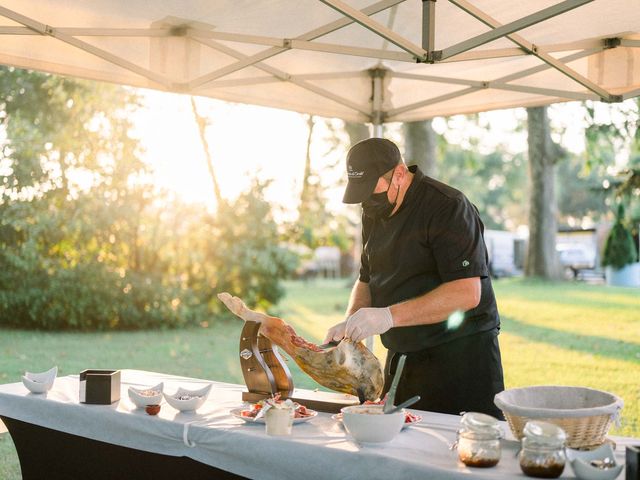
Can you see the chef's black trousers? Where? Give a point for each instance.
(462, 375)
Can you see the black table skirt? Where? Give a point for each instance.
(52, 455)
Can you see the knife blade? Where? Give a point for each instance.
(331, 344)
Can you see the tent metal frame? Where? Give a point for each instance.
(521, 42)
(503, 30)
(312, 35)
(283, 76)
(408, 52)
(44, 29)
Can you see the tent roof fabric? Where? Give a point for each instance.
(359, 60)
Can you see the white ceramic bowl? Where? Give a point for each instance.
(581, 463)
(40, 382)
(367, 423)
(141, 401)
(197, 398)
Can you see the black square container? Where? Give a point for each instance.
(632, 466)
(99, 387)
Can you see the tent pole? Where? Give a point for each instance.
(377, 115)
(428, 26)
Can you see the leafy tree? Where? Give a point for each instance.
(580, 191)
(246, 252)
(626, 191)
(497, 185)
(313, 217)
(614, 130)
(610, 135)
(619, 249)
(86, 242)
(316, 226)
(72, 196)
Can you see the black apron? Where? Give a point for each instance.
(463, 375)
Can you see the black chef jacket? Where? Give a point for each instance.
(436, 236)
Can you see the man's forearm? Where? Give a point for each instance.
(360, 297)
(438, 304)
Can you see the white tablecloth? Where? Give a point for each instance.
(317, 449)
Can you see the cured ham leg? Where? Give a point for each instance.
(345, 368)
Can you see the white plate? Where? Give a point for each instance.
(236, 413)
(338, 418)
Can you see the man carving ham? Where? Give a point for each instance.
(424, 284)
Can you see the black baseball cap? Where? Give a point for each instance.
(367, 161)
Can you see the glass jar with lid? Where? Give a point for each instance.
(542, 453)
(478, 441)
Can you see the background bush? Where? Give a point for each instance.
(87, 242)
(619, 249)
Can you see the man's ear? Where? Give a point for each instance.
(398, 174)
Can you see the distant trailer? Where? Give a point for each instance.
(506, 252)
(578, 252)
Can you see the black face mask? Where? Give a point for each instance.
(378, 204)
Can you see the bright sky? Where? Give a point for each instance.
(247, 141)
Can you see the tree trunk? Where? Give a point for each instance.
(306, 190)
(202, 127)
(356, 131)
(542, 260)
(420, 142)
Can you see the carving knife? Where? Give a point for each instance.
(388, 405)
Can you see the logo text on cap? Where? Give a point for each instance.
(351, 173)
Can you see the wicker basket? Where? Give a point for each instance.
(584, 414)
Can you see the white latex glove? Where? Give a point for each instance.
(336, 332)
(368, 321)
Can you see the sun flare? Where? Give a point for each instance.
(245, 142)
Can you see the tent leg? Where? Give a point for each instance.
(377, 116)
(428, 26)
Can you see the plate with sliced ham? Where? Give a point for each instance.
(249, 413)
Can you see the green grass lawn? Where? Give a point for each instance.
(565, 333)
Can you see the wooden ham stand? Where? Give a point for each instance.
(265, 374)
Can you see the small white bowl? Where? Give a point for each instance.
(581, 463)
(197, 398)
(40, 382)
(367, 423)
(141, 401)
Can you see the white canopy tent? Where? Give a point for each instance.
(392, 60)
(359, 60)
